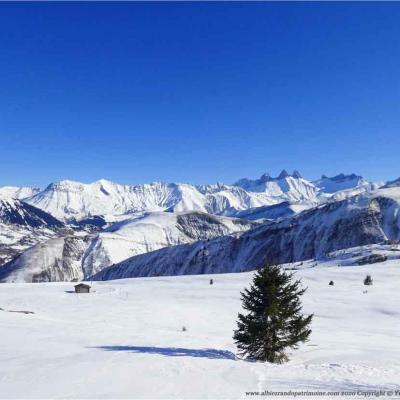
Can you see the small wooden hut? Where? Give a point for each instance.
(82, 288)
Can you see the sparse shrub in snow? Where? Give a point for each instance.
(274, 322)
(368, 280)
(184, 329)
(211, 281)
(331, 283)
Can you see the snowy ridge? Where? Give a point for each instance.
(340, 182)
(18, 192)
(69, 200)
(74, 200)
(292, 187)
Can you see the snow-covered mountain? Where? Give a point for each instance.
(341, 186)
(132, 221)
(74, 200)
(339, 182)
(290, 187)
(80, 256)
(69, 200)
(359, 220)
(22, 226)
(18, 192)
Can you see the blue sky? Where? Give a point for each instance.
(199, 92)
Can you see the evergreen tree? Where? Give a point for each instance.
(274, 322)
(368, 280)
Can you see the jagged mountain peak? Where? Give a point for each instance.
(296, 174)
(266, 177)
(284, 174)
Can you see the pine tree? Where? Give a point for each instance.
(368, 280)
(274, 322)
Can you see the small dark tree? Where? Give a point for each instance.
(331, 283)
(368, 280)
(274, 322)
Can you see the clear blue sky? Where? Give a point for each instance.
(200, 92)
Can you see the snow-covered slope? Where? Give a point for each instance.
(276, 211)
(22, 226)
(154, 231)
(80, 256)
(125, 339)
(55, 260)
(360, 220)
(18, 192)
(13, 211)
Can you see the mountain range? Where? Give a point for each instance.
(69, 200)
(71, 230)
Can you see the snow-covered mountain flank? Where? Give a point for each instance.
(22, 226)
(312, 234)
(80, 256)
(176, 228)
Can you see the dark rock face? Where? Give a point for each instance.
(95, 223)
(202, 226)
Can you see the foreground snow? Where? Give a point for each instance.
(125, 339)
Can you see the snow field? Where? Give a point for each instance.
(125, 339)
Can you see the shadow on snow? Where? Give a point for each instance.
(172, 351)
